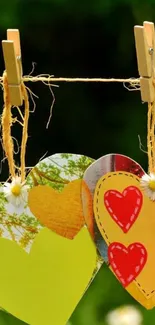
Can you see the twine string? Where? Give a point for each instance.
(151, 123)
(151, 137)
(48, 79)
(25, 131)
(7, 120)
(7, 140)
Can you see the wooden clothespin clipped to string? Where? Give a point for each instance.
(145, 49)
(12, 58)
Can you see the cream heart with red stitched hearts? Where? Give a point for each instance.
(125, 217)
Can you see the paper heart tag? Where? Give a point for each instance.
(47, 249)
(141, 231)
(106, 217)
(105, 164)
(31, 288)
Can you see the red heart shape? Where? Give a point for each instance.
(124, 208)
(127, 263)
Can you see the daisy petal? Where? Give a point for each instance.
(16, 193)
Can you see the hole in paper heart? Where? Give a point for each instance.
(124, 208)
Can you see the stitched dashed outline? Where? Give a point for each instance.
(97, 215)
(138, 267)
(134, 216)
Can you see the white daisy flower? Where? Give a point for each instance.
(125, 315)
(148, 184)
(16, 194)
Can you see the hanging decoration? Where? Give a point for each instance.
(67, 215)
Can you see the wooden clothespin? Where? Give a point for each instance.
(13, 65)
(145, 49)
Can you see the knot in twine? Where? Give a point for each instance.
(7, 122)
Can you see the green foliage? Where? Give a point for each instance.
(77, 168)
(57, 173)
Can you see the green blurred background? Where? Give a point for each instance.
(82, 38)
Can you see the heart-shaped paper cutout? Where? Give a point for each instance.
(118, 163)
(124, 207)
(56, 174)
(60, 212)
(102, 166)
(54, 263)
(127, 262)
(142, 231)
(38, 285)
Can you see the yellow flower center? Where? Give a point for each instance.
(16, 189)
(122, 311)
(152, 184)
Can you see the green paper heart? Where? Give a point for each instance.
(44, 286)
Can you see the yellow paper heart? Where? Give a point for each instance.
(143, 231)
(44, 286)
(59, 211)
